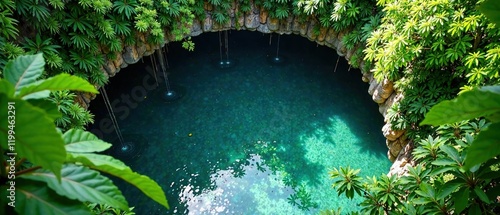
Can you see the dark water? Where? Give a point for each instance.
(257, 138)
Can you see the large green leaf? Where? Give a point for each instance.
(447, 189)
(484, 147)
(83, 141)
(426, 190)
(452, 153)
(33, 197)
(461, 198)
(6, 88)
(418, 201)
(96, 160)
(475, 209)
(24, 70)
(468, 105)
(149, 187)
(491, 8)
(36, 137)
(443, 162)
(480, 193)
(58, 82)
(83, 184)
(116, 168)
(38, 95)
(494, 117)
(443, 169)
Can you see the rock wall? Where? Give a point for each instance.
(258, 19)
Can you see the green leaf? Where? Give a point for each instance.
(96, 160)
(380, 210)
(494, 117)
(24, 70)
(59, 82)
(480, 193)
(420, 201)
(427, 190)
(443, 162)
(36, 137)
(49, 107)
(468, 105)
(490, 9)
(83, 184)
(484, 147)
(451, 152)
(461, 198)
(6, 88)
(440, 170)
(149, 187)
(77, 140)
(116, 168)
(38, 95)
(447, 189)
(475, 209)
(34, 197)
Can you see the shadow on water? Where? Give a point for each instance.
(234, 130)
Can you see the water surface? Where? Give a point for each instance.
(257, 138)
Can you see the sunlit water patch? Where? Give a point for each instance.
(257, 138)
(258, 191)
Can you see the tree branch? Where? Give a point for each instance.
(24, 171)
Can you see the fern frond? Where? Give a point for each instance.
(220, 18)
(53, 60)
(215, 2)
(57, 4)
(126, 8)
(43, 46)
(281, 12)
(120, 26)
(98, 77)
(84, 60)
(8, 25)
(23, 7)
(76, 22)
(99, 6)
(79, 40)
(40, 12)
(174, 10)
(106, 28)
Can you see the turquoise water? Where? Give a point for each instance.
(257, 138)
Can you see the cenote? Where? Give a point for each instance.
(255, 138)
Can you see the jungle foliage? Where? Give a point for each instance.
(433, 49)
(46, 171)
(78, 36)
(457, 171)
